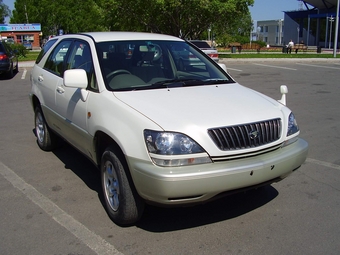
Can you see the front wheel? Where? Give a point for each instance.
(122, 203)
(46, 139)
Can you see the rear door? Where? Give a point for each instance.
(47, 79)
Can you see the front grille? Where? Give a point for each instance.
(246, 136)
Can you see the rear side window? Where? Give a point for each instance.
(55, 61)
(201, 44)
(2, 49)
(46, 47)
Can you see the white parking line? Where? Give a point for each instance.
(237, 70)
(279, 67)
(329, 67)
(322, 163)
(91, 239)
(23, 74)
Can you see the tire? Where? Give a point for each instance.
(122, 203)
(17, 67)
(10, 73)
(46, 139)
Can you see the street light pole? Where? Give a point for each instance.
(331, 19)
(209, 30)
(336, 30)
(258, 33)
(298, 34)
(280, 32)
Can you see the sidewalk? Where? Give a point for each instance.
(26, 63)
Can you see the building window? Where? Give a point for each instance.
(25, 38)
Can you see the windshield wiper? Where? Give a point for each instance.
(215, 81)
(177, 83)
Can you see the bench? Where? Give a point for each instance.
(235, 45)
(299, 46)
(251, 46)
(246, 46)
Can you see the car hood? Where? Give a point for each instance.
(202, 107)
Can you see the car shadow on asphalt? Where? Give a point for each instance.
(79, 164)
(160, 219)
(4, 77)
(156, 219)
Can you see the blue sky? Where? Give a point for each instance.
(262, 9)
(9, 3)
(272, 9)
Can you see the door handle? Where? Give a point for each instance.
(40, 78)
(60, 90)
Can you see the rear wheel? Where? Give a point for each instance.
(122, 203)
(10, 73)
(16, 67)
(46, 139)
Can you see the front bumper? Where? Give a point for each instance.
(198, 183)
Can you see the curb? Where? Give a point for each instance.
(229, 60)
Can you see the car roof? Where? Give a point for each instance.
(123, 36)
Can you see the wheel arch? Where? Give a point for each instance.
(35, 102)
(101, 142)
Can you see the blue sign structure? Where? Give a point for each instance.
(19, 27)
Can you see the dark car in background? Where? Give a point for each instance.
(206, 48)
(8, 60)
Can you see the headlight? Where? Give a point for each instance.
(174, 149)
(292, 125)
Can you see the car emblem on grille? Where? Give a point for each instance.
(253, 134)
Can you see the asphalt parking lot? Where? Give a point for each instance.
(50, 202)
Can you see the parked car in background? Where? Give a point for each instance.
(159, 134)
(9, 40)
(206, 48)
(8, 60)
(28, 45)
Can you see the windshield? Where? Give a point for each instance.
(140, 65)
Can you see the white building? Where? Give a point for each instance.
(270, 31)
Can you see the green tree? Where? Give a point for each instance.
(185, 18)
(73, 16)
(188, 19)
(4, 12)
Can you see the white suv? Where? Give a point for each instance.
(158, 132)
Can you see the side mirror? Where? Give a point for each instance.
(284, 91)
(75, 78)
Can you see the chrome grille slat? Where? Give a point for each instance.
(246, 136)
